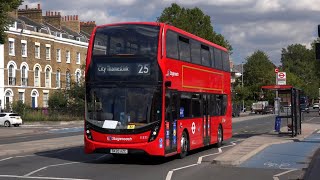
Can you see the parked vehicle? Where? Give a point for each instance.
(316, 106)
(8, 119)
(268, 110)
(258, 107)
(304, 108)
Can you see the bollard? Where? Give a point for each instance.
(277, 124)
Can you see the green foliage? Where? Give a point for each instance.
(302, 68)
(6, 6)
(258, 71)
(193, 21)
(19, 107)
(241, 93)
(57, 100)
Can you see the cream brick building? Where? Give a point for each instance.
(42, 53)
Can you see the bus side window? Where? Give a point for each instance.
(212, 57)
(224, 104)
(184, 49)
(195, 52)
(225, 61)
(218, 59)
(205, 56)
(172, 45)
(196, 105)
(185, 105)
(218, 102)
(214, 105)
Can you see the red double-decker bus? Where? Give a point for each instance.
(155, 89)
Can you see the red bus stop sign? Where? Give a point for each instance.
(276, 70)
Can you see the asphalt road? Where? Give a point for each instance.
(31, 133)
(72, 163)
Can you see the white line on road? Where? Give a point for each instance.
(169, 175)
(54, 165)
(200, 158)
(48, 178)
(276, 177)
(5, 159)
(24, 156)
(310, 119)
(62, 164)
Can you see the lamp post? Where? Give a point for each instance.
(242, 85)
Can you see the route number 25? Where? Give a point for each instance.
(143, 69)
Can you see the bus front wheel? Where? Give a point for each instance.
(184, 145)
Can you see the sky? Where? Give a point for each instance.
(249, 25)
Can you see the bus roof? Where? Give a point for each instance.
(168, 26)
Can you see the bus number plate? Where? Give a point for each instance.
(119, 151)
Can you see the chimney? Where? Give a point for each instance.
(53, 18)
(72, 22)
(87, 26)
(34, 14)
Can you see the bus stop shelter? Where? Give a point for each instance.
(287, 104)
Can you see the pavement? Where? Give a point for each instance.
(253, 145)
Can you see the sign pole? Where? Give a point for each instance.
(276, 102)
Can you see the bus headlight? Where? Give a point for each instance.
(88, 132)
(154, 132)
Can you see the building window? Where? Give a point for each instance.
(68, 80)
(48, 78)
(58, 79)
(24, 48)
(24, 76)
(58, 55)
(37, 50)
(78, 76)
(48, 51)
(21, 97)
(45, 99)
(11, 47)
(37, 77)
(78, 58)
(12, 75)
(68, 56)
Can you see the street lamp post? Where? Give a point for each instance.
(242, 86)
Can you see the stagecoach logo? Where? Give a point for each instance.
(113, 69)
(110, 138)
(172, 74)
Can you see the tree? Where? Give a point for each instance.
(258, 71)
(300, 63)
(193, 21)
(6, 7)
(57, 100)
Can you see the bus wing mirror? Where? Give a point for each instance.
(167, 83)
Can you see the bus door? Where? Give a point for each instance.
(171, 105)
(206, 119)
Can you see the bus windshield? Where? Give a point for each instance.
(126, 39)
(125, 106)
